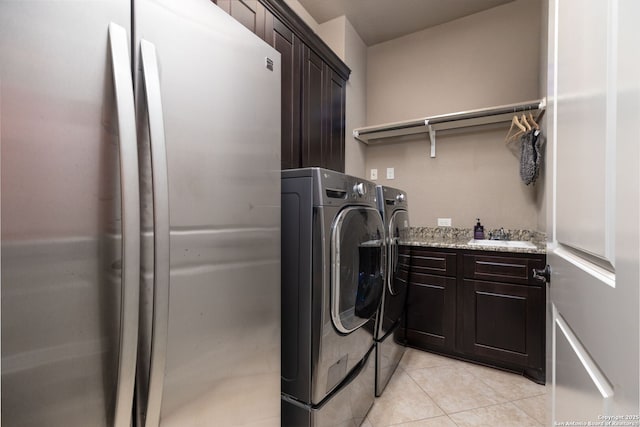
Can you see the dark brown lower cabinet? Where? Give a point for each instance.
(479, 306)
(504, 322)
(431, 311)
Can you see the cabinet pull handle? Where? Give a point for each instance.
(543, 275)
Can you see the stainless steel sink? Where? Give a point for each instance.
(503, 243)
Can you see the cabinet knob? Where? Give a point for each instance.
(544, 274)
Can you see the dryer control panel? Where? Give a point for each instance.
(338, 189)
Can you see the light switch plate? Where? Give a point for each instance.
(374, 174)
(390, 173)
(444, 222)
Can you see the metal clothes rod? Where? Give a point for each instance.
(503, 113)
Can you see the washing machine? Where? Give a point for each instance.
(393, 206)
(333, 269)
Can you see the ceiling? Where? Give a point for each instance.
(381, 20)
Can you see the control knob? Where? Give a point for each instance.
(401, 198)
(359, 189)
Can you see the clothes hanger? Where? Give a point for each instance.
(524, 121)
(515, 122)
(533, 122)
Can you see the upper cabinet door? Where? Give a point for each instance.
(594, 252)
(313, 111)
(290, 48)
(333, 141)
(250, 13)
(323, 114)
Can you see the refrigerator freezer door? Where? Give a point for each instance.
(221, 107)
(61, 213)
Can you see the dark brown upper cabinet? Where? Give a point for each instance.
(333, 143)
(250, 13)
(313, 108)
(290, 48)
(313, 83)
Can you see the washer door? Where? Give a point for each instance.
(357, 264)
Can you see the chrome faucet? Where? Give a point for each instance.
(499, 235)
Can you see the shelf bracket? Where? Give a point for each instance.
(432, 137)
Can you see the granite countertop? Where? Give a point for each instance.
(458, 238)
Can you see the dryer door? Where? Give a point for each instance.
(357, 264)
(398, 232)
(397, 275)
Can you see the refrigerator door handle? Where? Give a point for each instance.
(161, 268)
(130, 202)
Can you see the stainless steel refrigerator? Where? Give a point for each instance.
(140, 211)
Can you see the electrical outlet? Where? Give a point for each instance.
(374, 174)
(444, 222)
(390, 173)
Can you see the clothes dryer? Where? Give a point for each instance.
(333, 267)
(393, 206)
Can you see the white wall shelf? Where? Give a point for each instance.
(429, 125)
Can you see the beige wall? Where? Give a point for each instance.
(299, 9)
(486, 59)
(333, 34)
(356, 108)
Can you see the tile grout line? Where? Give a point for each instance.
(495, 404)
(470, 372)
(429, 396)
(518, 400)
(500, 394)
(464, 410)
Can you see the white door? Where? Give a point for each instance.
(593, 162)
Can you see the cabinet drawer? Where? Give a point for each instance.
(433, 262)
(501, 269)
(404, 257)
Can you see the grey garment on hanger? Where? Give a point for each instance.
(527, 158)
(530, 156)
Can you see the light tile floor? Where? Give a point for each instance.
(428, 390)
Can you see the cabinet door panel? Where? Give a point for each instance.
(249, 13)
(333, 143)
(284, 41)
(503, 322)
(312, 108)
(431, 311)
